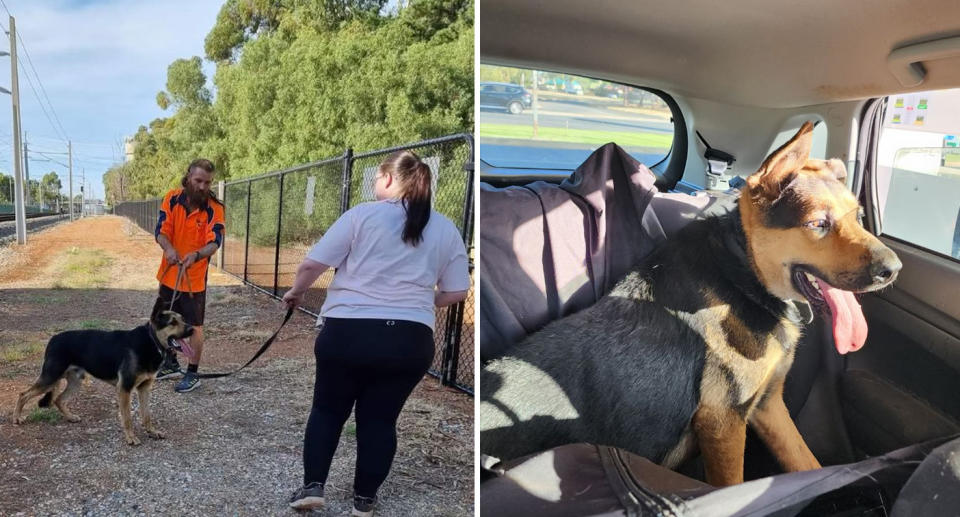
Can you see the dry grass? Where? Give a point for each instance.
(18, 352)
(83, 268)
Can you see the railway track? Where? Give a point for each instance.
(11, 217)
(8, 228)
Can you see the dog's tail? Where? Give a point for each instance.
(45, 401)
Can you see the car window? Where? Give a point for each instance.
(918, 170)
(559, 119)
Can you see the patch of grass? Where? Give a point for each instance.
(350, 429)
(14, 353)
(224, 298)
(44, 414)
(584, 136)
(44, 298)
(83, 269)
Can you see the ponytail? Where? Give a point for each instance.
(414, 177)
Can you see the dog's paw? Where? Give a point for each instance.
(19, 420)
(132, 440)
(72, 418)
(156, 434)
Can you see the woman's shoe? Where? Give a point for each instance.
(308, 497)
(363, 506)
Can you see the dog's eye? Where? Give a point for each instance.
(819, 225)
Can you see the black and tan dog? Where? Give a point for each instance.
(127, 359)
(694, 345)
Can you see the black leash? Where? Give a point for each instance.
(263, 348)
(181, 273)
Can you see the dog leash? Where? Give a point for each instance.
(181, 273)
(263, 348)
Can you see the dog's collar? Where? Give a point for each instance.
(735, 241)
(154, 338)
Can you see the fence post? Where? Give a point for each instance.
(276, 255)
(454, 331)
(468, 198)
(221, 194)
(246, 245)
(347, 172)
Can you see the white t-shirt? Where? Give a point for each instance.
(380, 276)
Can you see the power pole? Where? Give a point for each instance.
(83, 180)
(535, 102)
(70, 167)
(20, 210)
(26, 172)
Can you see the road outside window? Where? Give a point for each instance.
(535, 120)
(918, 170)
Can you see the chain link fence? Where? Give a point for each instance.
(273, 220)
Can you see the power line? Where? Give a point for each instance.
(49, 158)
(40, 82)
(61, 132)
(39, 101)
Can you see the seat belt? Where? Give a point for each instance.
(718, 162)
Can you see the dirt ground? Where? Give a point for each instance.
(234, 445)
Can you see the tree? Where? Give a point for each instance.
(6, 188)
(302, 80)
(51, 187)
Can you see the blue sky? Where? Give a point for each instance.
(101, 63)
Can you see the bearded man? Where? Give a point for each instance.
(189, 230)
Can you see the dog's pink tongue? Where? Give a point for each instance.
(185, 347)
(849, 325)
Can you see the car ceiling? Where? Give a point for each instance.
(770, 53)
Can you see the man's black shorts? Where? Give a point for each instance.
(189, 305)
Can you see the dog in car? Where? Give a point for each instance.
(693, 345)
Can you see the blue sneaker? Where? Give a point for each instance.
(188, 383)
(169, 369)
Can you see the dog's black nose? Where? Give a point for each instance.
(885, 266)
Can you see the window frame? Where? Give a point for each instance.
(668, 170)
(871, 125)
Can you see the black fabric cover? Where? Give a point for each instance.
(550, 250)
(587, 480)
(934, 488)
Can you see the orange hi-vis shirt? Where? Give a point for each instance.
(188, 232)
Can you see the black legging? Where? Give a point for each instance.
(375, 364)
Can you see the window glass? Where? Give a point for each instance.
(918, 170)
(533, 119)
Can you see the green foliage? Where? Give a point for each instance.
(43, 414)
(6, 188)
(11, 353)
(301, 80)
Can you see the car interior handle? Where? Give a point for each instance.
(906, 63)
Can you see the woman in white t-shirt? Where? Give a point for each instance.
(395, 260)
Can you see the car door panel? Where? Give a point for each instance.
(902, 387)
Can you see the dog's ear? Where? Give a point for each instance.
(832, 167)
(161, 318)
(157, 310)
(779, 169)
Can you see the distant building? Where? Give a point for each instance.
(93, 207)
(129, 146)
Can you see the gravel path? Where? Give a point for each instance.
(234, 445)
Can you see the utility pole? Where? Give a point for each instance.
(26, 173)
(535, 102)
(70, 167)
(83, 180)
(20, 210)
